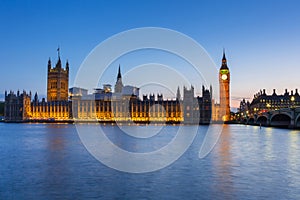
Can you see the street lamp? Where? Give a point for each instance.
(292, 100)
(268, 106)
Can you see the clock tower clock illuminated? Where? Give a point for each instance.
(224, 82)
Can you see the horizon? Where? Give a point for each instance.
(253, 34)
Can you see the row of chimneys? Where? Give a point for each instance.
(152, 97)
(263, 92)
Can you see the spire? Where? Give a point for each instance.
(178, 96)
(224, 61)
(58, 53)
(58, 64)
(119, 73)
(36, 98)
(67, 65)
(49, 64)
(119, 84)
(224, 57)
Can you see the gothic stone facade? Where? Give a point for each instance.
(104, 105)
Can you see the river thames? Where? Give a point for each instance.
(49, 161)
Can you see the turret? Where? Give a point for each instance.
(211, 91)
(145, 97)
(67, 66)
(152, 97)
(58, 64)
(159, 97)
(178, 95)
(49, 65)
(36, 98)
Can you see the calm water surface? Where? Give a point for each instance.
(48, 161)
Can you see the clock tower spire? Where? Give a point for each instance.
(224, 61)
(224, 82)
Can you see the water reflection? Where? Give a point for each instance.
(223, 164)
(48, 161)
(293, 161)
(57, 166)
(268, 143)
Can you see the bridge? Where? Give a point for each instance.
(285, 117)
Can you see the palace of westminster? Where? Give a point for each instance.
(64, 104)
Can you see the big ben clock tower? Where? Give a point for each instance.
(224, 81)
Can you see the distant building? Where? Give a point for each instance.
(76, 91)
(57, 81)
(21, 107)
(17, 106)
(123, 104)
(129, 90)
(2, 103)
(221, 109)
(51, 110)
(191, 113)
(205, 106)
(244, 105)
(263, 102)
(224, 83)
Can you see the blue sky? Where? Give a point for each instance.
(262, 38)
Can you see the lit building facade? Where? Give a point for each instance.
(262, 102)
(20, 107)
(104, 105)
(57, 81)
(224, 83)
(126, 106)
(17, 106)
(51, 110)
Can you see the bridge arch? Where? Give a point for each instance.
(263, 120)
(280, 120)
(297, 121)
(281, 113)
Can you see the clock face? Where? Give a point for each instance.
(224, 77)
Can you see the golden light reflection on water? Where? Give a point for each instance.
(223, 165)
